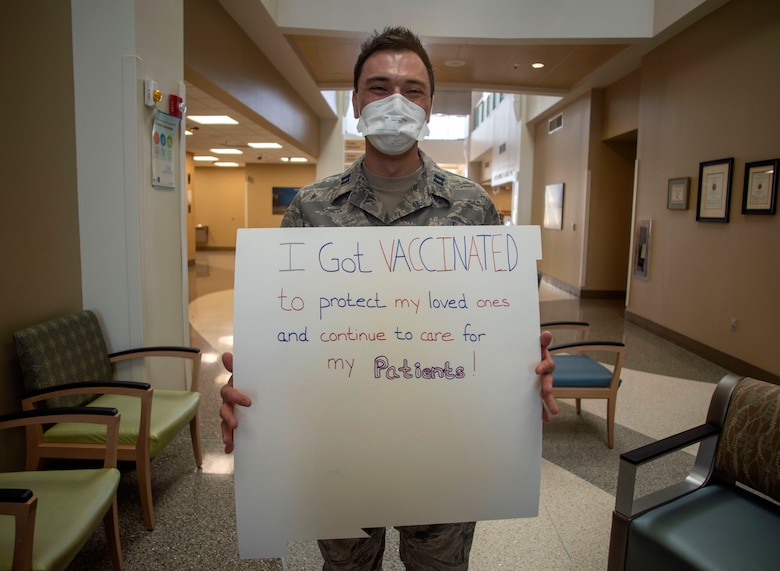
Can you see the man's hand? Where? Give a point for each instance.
(545, 370)
(230, 398)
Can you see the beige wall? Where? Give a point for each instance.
(231, 198)
(562, 156)
(708, 93)
(712, 93)
(219, 196)
(262, 178)
(589, 255)
(39, 218)
(611, 165)
(621, 106)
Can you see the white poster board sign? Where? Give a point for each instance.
(392, 378)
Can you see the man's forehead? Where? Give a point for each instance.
(384, 63)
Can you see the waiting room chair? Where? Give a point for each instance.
(725, 515)
(65, 362)
(578, 375)
(52, 513)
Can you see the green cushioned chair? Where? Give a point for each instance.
(65, 362)
(579, 375)
(725, 514)
(46, 517)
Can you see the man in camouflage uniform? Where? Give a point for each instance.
(397, 185)
(435, 198)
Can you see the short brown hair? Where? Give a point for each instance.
(392, 39)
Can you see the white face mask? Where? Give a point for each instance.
(393, 124)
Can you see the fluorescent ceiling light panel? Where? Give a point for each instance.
(213, 119)
(204, 158)
(227, 151)
(265, 145)
(225, 164)
(299, 160)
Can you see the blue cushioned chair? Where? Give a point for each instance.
(578, 375)
(725, 515)
(48, 515)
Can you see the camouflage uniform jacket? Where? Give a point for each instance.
(439, 198)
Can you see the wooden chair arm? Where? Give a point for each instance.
(564, 324)
(128, 388)
(191, 353)
(582, 346)
(14, 496)
(581, 327)
(87, 414)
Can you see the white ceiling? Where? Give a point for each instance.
(207, 137)
(314, 60)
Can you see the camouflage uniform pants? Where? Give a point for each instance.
(443, 547)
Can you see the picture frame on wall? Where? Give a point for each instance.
(281, 197)
(677, 193)
(642, 242)
(760, 193)
(553, 206)
(714, 197)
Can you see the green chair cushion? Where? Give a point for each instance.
(171, 412)
(580, 371)
(71, 504)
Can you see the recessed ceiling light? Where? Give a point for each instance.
(204, 158)
(454, 63)
(299, 160)
(265, 145)
(213, 119)
(187, 132)
(226, 164)
(537, 65)
(227, 151)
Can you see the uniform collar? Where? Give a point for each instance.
(432, 179)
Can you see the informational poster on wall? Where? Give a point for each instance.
(163, 150)
(392, 378)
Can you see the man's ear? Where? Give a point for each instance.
(355, 109)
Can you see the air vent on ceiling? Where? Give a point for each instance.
(555, 123)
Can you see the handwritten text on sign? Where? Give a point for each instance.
(391, 371)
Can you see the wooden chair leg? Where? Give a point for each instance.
(24, 534)
(578, 404)
(144, 472)
(611, 405)
(195, 437)
(111, 524)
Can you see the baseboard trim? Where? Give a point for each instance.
(584, 293)
(602, 294)
(725, 360)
